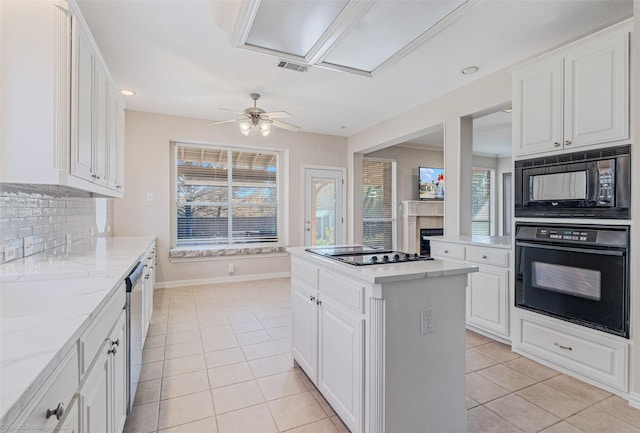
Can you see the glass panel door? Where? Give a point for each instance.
(324, 218)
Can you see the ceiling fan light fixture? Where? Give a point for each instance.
(265, 127)
(245, 127)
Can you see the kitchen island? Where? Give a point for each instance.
(384, 344)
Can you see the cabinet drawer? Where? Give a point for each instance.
(447, 251)
(60, 389)
(98, 331)
(343, 290)
(306, 273)
(599, 358)
(488, 256)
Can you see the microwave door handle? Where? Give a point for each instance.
(577, 250)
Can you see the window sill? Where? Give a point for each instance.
(206, 252)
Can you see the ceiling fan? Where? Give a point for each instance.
(256, 117)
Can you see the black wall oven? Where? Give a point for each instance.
(577, 273)
(589, 184)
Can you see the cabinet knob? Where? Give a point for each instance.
(113, 350)
(318, 302)
(446, 251)
(567, 143)
(117, 342)
(484, 257)
(556, 144)
(58, 411)
(308, 229)
(94, 176)
(312, 298)
(118, 186)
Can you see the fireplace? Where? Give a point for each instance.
(425, 244)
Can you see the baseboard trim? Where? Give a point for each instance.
(226, 279)
(634, 400)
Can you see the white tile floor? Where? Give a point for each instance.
(216, 360)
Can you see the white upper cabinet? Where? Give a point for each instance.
(55, 93)
(577, 96)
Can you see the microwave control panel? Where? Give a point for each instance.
(606, 182)
(566, 234)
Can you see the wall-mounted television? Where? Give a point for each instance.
(431, 183)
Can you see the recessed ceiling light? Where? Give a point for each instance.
(470, 70)
(127, 92)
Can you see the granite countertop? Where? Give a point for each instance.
(46, 301)
(392, 271)
(505, 242)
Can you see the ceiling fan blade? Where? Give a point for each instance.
(276, 114)
(286, 126)
(223, 121)
(233, 111)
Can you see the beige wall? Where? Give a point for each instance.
(449, 109)
(148, 166)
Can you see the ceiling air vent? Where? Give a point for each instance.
(292, 66)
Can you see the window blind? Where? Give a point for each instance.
(482, 214)
(378, 203)
(225, 196)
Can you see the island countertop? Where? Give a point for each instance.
(390, 272)
(46, 302)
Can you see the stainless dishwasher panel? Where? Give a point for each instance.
(134, 331)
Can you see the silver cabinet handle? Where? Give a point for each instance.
(567, 142)
(556, 144)
(562, 347)
(484, 257)
(58, 411)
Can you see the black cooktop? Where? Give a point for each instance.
(362, 255)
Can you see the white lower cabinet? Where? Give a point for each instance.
(340, 369)
(103, 392)
(487, 299)
(305, 328)
(581, 352)
(328, 340)
(488, 302)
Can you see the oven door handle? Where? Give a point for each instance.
(617, 253)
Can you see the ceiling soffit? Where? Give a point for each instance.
(361, 37)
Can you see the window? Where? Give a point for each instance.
(225, 195)
(378, 203)
(483, 202)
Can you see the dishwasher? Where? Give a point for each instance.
(133, 309)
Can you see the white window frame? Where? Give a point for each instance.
(493, 217)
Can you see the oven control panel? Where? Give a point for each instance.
(566, 234)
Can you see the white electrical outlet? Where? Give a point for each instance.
(28, 245)
(231, 269)
(9, 253)
(426, 321)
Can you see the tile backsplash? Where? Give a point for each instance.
(50, 214)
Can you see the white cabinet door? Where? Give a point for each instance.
(95, 394)
(103, 394)
(596, 92)
(537, 102)
(100, 122)
(487, 299)
(112, 138)
(119, 374)
(305, 329)
(340, 368)
(82, 145)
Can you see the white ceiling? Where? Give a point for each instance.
(180, 61)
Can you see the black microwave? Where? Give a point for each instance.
(589, 184)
